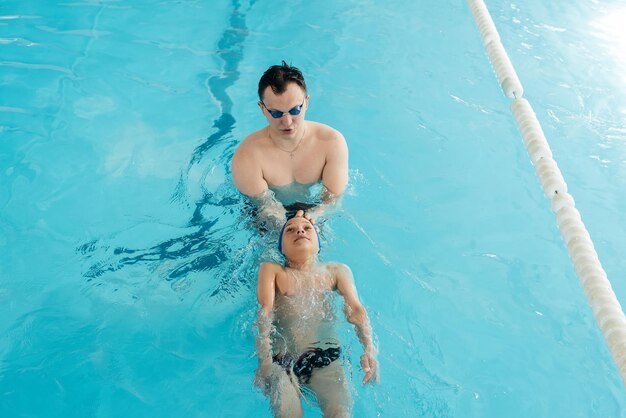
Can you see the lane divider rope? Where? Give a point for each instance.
(600, 295)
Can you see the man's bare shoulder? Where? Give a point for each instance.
(252, 142)
(325, 132)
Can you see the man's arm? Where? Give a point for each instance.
(271, 212)
(248, 178)
(357, 315)
(334, 176)
(247, 173)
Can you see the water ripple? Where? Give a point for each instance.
(91, 33)
(14, 17)
(32, 66)
(17, 41)
(174, 46)
(207, 242)
(10, 109)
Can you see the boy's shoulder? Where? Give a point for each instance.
(337, 268)
(271, 266)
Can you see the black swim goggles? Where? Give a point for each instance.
(277, 114)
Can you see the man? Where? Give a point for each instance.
(297, 343)
(279, 165)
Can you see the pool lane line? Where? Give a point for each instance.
(600, 295)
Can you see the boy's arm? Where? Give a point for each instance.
(357, 315)
(265, 294)
(266, 287)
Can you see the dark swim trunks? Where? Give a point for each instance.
(314, 358)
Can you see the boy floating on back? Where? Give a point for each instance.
(297, 343)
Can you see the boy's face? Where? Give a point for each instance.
(299, 235)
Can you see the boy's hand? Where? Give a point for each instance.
(370, 367)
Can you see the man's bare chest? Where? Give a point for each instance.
(285, 169)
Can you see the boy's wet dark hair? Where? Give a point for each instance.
(278, 77)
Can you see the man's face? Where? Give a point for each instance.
(299, 235)
(287, 125)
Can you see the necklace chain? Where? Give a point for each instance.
(284, 150)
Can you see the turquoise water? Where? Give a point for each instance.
(127, 266)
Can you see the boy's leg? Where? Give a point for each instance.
(285, 396)
(332, 390)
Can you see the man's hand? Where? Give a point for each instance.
(370, 367)
(305, 215)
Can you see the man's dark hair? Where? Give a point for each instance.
(278, 77)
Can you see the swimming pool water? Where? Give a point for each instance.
(127, 266)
